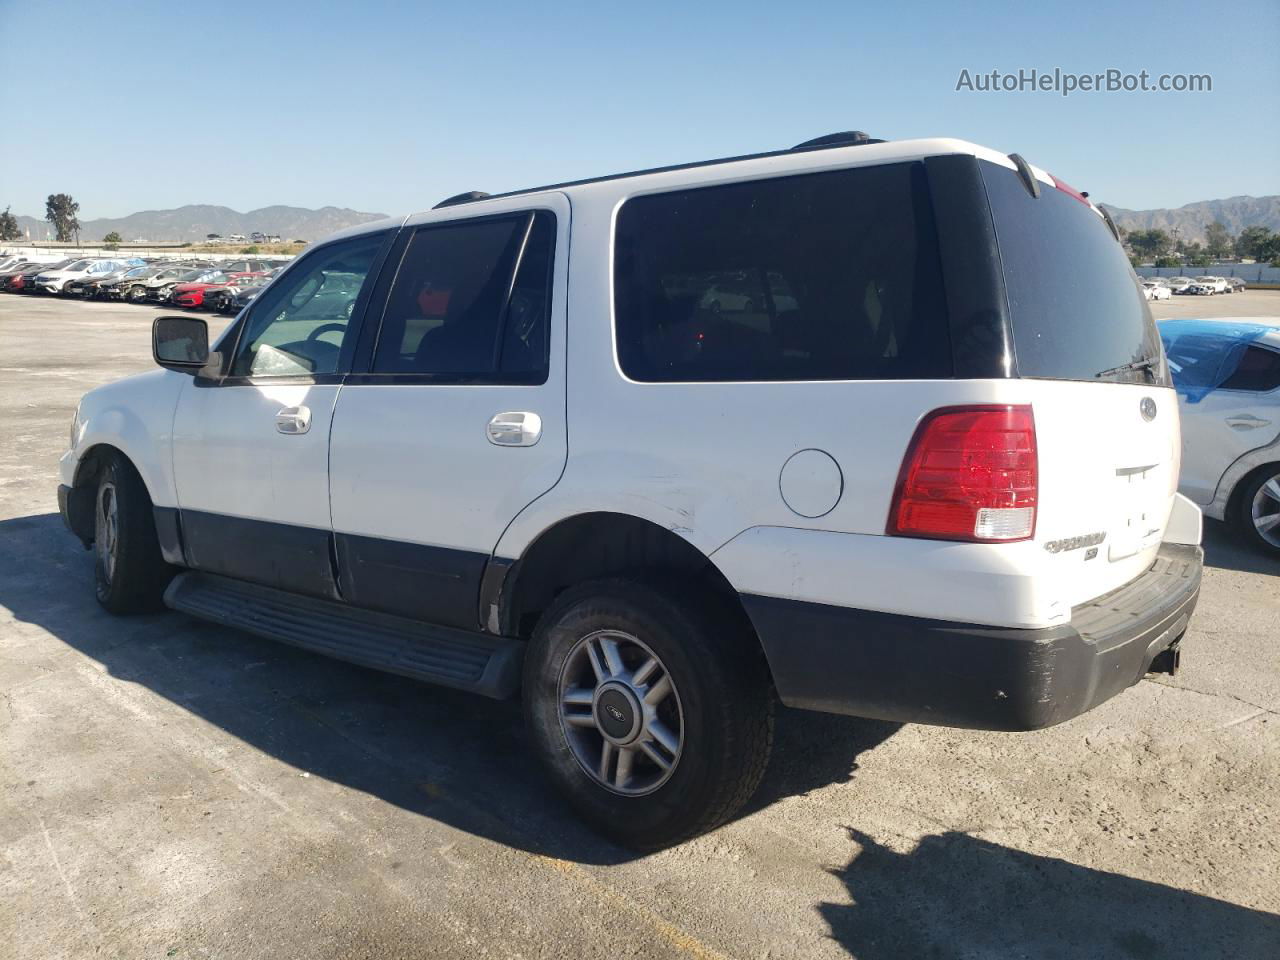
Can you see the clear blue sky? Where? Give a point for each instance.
(390, 107)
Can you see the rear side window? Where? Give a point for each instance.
(1074, 302)
(1258, 371)
(825, 276)
(471, 300)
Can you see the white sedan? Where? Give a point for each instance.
(1156, 291)
(1227, 374)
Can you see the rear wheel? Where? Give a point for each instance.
(648, 710)
(1257, 513)
(130, 575)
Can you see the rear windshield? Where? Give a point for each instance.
(824, 276)
(1074, 302)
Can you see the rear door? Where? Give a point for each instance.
(458, 420)
(1229, 393)
(1087, 351)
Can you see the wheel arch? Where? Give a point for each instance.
(593, 545)
(1233, 504)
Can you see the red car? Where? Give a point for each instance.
(193, 294)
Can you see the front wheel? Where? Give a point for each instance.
(1257, 515)
(649, 710)
(130, 574)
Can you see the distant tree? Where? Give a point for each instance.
(213, 236)
(1253, 243)
(1150, 243)
(9, 226)
(1218, 242)
(250, 250)
(1168, 262)
(60, 210)
(113, 238)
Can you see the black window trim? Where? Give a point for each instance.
(363, 374)
(235, 333)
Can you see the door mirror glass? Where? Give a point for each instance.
(180, 343)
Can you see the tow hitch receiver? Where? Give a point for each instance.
(1169, 655)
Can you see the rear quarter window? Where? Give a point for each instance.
(825, 276)
(1075, 305)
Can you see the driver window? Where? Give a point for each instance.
(298, 326)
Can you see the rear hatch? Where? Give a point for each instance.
(1090, 360)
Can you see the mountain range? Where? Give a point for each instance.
(196, 221)
(1190, 221)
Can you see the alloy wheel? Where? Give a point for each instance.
(1265, 511)
(620, 713)
(107, 533)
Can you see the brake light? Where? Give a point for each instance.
(970, 473)
(1069, 190)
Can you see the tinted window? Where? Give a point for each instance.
(826, 276)
(299, 325)
(1258, 370)
(1074, 302)
(471, 300)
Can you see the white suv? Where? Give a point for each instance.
(911, 470)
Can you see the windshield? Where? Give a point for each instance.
(1074, 302)
(78, 265)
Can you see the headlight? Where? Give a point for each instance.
(75, 428)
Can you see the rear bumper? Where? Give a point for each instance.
(909, 669)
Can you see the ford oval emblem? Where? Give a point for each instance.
(1148, 408)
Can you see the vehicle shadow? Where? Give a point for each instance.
(1224, 549)
(954, 895)
(454, 757)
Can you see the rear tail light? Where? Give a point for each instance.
(970, 473)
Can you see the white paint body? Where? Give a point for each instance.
(703, 460)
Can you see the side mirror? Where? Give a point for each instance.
(180, 343)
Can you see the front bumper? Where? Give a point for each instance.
(76, 506)
(913, 670)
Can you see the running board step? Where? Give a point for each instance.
(443, 655)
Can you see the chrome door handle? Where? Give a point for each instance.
(1246, 421)
(517, 429)
(293, 420)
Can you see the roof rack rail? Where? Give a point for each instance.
(457, 198)
(846, 138)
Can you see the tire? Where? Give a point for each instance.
(129, 573)
(1258, 501)
(748, 306)
(713, 726)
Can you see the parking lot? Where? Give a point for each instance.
(173, 788)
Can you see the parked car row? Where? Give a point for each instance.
(1160, 288)
(224, 286)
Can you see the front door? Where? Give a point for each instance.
(458, 422)
(250, 451)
